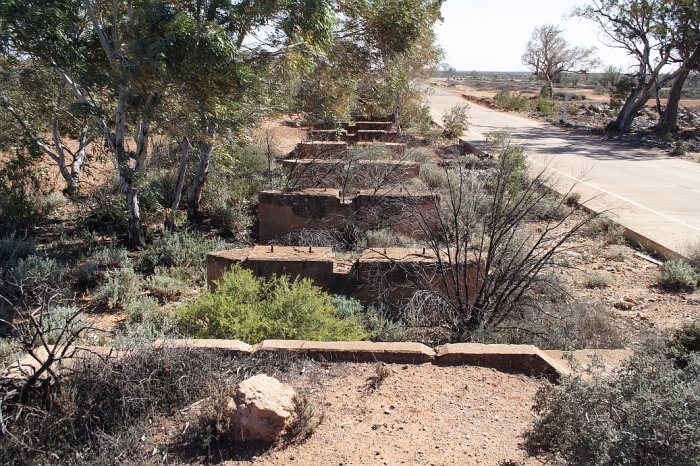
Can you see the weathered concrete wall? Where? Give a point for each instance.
(316, 264)
(392, 149)
(374, 125)
(281, 213)
(322, 150)
(391, 274)
(375, 135)
(339, 134)
(361, 174)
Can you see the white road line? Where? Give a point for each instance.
(624, 199)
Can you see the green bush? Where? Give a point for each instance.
(648, 412)
(572, 199)
(545, 106)
(145, 320)
(596, 280)
(550, 209)
(679, 276)
(34, 280)
(434, 176)
(56, 320)
(456, 120)
(376, 321)
(183, 249)
(680, 148)
(254, 309)
(512, 101)
(563, 325)
(166, 284)
(121, 288)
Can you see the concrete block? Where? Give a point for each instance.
(524, 359)
(355, 351)
(230, 347)
(322, 150)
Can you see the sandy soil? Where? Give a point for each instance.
(419, 414)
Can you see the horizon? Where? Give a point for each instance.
(502, 38)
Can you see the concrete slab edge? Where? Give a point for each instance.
(517, 359)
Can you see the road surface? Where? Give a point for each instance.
(648, 192)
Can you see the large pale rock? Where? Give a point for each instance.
(261, 409)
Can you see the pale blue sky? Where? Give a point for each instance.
(490, 35)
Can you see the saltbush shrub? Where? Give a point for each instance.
(184, 249)
(13, 249)
(375, 320)
(512, 101)
(678, 275)
(34, 280)
(121, 288)
(648, 412)
(605, 228)
(253, 309)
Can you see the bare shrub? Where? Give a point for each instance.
(488, 259)
(561, 325)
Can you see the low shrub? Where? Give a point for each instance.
(605, 228)
(648, 412)
(561, 325)
(121, 288)
(145, 320)
(680, 148)
(679, 276)
(254, 309)
(572, 199)
(375, 320)
(184, 249)
(512, 101)
(596, 280)
(384, 238)
(419, 155)
(550, 209)
(456, 120)
(433, 176)
(13, 249)
(103, 409)
(545, 107)
(34, 280)
(684, 342)
(166, 284)
(617, 254)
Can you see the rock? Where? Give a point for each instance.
(623, 305)
(261, 409)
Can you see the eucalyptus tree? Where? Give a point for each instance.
(641, 28)
(47, 119)
(684, 28)
(381, 48)
(123, 60)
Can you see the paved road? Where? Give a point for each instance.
(647, 191)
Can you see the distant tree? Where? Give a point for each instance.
(609, 77)
(549, 55)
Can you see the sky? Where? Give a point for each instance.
(490, 35)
